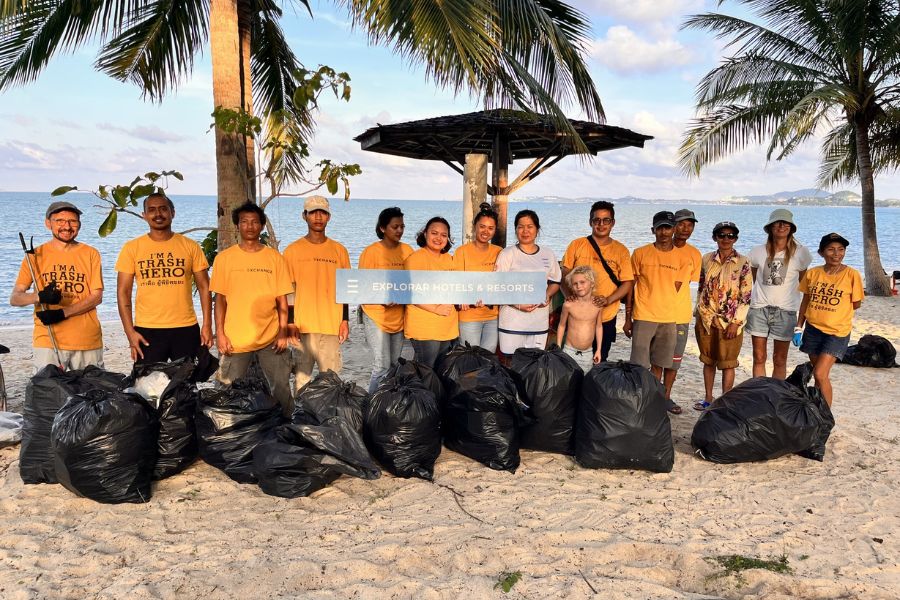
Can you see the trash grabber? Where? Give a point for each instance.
(29, 252)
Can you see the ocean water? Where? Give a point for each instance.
(353, 224)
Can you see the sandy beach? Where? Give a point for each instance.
(570, 532)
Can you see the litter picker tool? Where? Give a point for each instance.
(29, 252)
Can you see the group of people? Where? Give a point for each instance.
(281, 309)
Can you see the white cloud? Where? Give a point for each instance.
(625, 53)
(646, 11)
(148, 134)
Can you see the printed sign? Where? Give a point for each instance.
(383, 286)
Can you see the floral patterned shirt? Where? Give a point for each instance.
(723, 295)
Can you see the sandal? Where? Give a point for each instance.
(702, 405)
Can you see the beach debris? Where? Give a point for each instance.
(622, 421)
(402, 427)
(765, 418)
(506, 581)
(231, 421)
(549, 382)
(104, 445)
(45, 394)
(10, 428)
(150, 387)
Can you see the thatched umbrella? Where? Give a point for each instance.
(500, 136)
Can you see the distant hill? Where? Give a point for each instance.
(804, 197)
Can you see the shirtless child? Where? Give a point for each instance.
(580, 320)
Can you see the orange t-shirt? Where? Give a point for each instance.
(376, 256)
(469, 258)
(164, 272)
(77, 272)
(655, 275)
(250, 282)
(313, 270)
(580, 252)
(421, 324)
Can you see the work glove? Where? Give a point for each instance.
(51, 316)
(50, 294)
(798, 336)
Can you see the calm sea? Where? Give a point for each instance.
(353, 224)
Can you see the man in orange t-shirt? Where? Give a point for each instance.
(69, 288)
(320, 325)
(164, 264)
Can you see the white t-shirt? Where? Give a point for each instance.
(774, 285)
(513, 259)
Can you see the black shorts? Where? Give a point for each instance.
(609, 336)
(169, 343)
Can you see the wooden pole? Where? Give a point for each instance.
(474, 192)
(500, 180)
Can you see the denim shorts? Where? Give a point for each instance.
(817, 342)
(771, 322)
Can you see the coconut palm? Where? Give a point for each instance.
(507, 53)
(813, 68)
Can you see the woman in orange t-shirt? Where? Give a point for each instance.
(477, 322)
(383, 323)
(432, 328)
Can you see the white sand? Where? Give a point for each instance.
(566, 529)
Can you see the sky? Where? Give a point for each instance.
(74, 126)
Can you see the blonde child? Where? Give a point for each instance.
(580, 322)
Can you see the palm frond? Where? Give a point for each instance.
(838, 164)
(751, 72)
(158, 45)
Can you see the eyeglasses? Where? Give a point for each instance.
(69, 222)
(781, 224)
(603, 221)
(727, 236)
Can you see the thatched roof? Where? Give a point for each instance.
(450, 138)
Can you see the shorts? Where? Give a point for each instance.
(653, 344)
(816, 342)
(715, 349)
(75, 360)
(771, 322)
(681, 336)
(583, 358)
(510, 342)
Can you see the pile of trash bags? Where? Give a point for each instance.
(622, 421)
(549, 383)
(871, 351)
(765, 418)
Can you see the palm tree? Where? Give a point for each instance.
(508, 53)
(813, 67)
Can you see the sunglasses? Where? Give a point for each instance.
(603, 221)
(727, 236)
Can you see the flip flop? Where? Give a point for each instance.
(702, 405)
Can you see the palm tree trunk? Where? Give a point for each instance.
(231, 148)
(877, 281)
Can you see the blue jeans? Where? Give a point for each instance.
(385, 347)
(479, 333)
(427, 351)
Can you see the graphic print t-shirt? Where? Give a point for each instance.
(776, 282)
(77, 273)
(164, 272)
(831, 298)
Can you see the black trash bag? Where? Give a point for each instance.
(423, 372)
(104, 446)
(304, 458)
(231, 422)
(176, 408)
(549, 384)
(327, 395)
(402, 427)
(622, 421)
(483, 418)
(765, 418)
(461, 359)
(871, 351)
(45, 394)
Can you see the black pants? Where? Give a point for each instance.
(169, 343)
(609, 336)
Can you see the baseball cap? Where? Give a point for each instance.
(781, 214)
(830, 238)
(60, 206)
(685, 215)
(664, 217)
(725, 225)
(316, 203)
